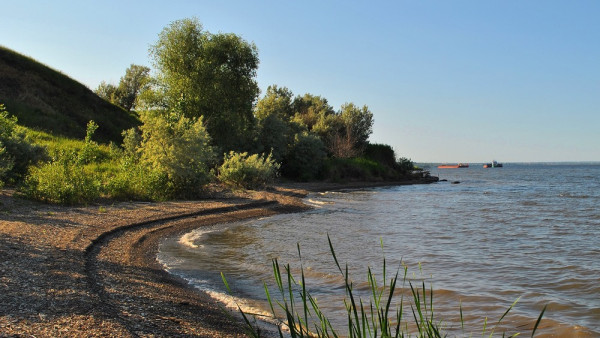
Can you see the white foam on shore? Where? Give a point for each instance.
(262, 319)
(191, 238)
(317, 203)
(259, 318)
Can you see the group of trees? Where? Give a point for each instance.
(201, 119)
(303, 131)
(201, 74)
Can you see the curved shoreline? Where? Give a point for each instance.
(92, 270)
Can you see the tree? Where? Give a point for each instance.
(273, 113)
(353, 128)
(130, 85)
(211, 75)
(107, 91)
(277, 101)
(314, 113)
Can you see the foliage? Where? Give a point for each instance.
(358, 122)
(405, 165)
(353, 128)
(274, 135)
(108, 92)
(248, 171)
(305, 157)
(179, 147)
(379, 316)
(67, 179)
(211, 75)
(277, 101)
(63, 181)
(314, 113)
(381, 153)
(130, 86)
(134, 181)
(16, 152)
(131, 144)
(356, 169)
(91, 150)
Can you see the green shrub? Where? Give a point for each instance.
(131, 144)
(138, 182)
(91, 151)
(178, 147)
(405, 165)
(63, 181)
(381, 153)
(16, 152)
(355, 169)
(241, 170)
(73, 177)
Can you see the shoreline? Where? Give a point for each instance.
(93, 271)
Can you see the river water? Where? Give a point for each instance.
(526, 231)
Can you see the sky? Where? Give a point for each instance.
(447, 81)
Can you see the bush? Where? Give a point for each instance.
(90, 152)
(138, 182)
(179, 148)
(345, 169)
(381, 153)
(241, 170)
(16, 153)
(305, 158)
(405, 165)
(69, 178)
(63, 181)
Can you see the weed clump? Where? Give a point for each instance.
(299, 314)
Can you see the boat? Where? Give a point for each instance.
(453, 166)
(494, 164)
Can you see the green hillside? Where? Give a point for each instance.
(47, 100)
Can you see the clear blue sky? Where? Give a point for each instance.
(447, 81)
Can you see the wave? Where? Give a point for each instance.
(317, 203)
(191, 238)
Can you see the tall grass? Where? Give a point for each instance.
(299, 314)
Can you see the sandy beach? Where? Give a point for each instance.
(92, 270)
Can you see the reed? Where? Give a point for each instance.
(298, 313)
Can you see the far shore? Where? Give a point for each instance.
(92, 270)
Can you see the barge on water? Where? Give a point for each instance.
(453, 166)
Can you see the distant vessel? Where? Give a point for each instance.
(494, 164)
(453, 166)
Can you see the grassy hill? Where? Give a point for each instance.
(47, 100)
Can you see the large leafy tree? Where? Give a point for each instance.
(210, 75)
(350, 131)
(358, 123)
